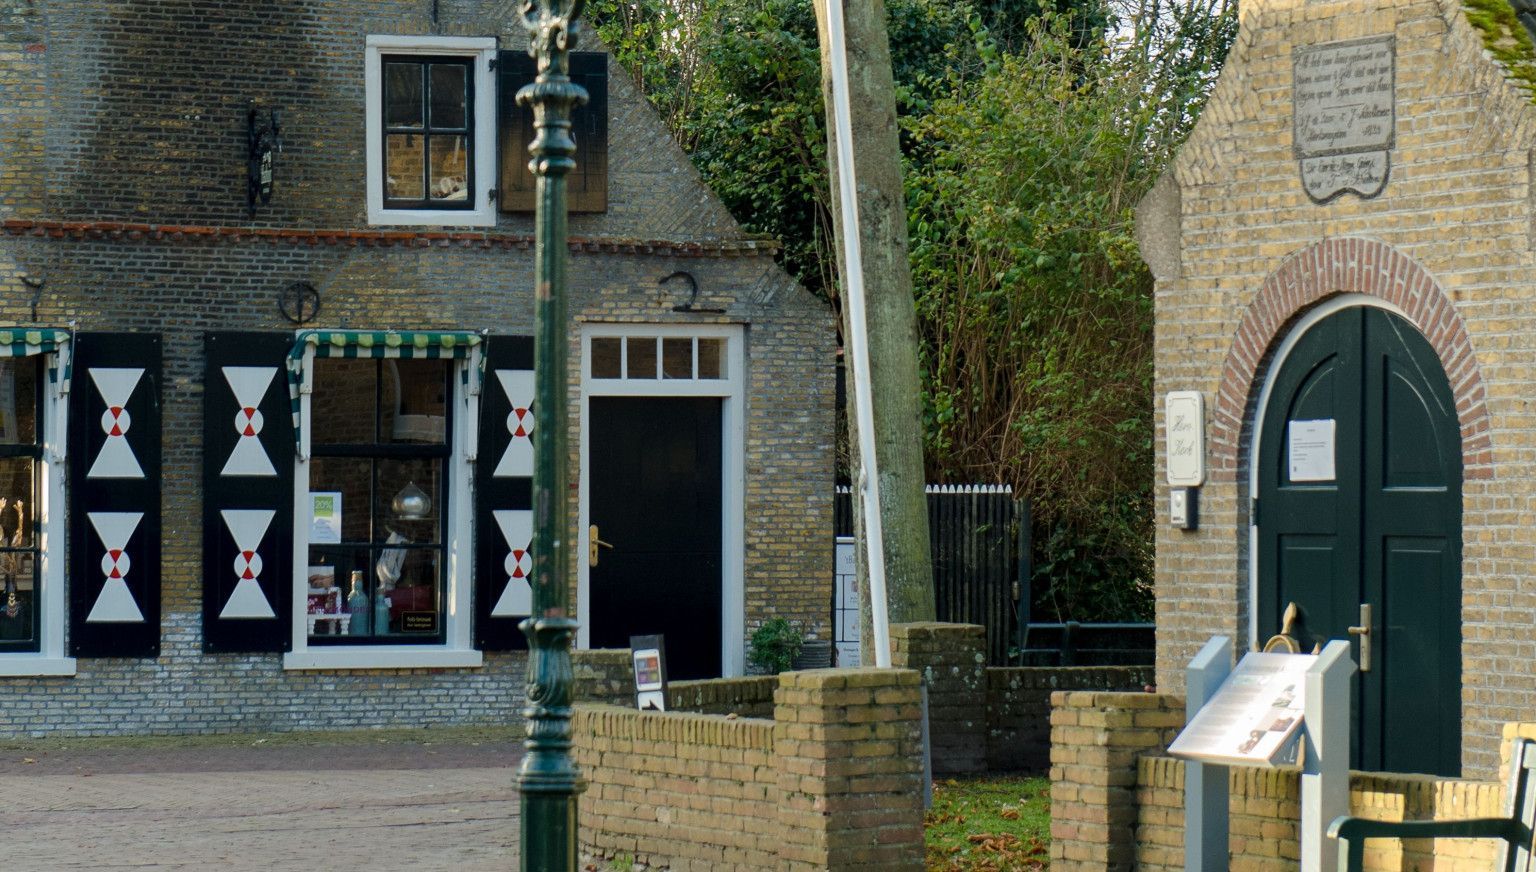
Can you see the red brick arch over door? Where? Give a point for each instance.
(1348, 265)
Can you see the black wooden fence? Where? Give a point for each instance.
(974, 532)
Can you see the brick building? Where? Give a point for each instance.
(1344, 255)
(283, 430)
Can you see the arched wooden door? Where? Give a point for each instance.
(1359, 503)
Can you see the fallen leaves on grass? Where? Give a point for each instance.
(989, 824)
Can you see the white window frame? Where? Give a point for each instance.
(732, 390)
(457, 649)
(483, 50)
(50, 658)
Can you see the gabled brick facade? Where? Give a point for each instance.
(1241, 253)
(123, 201)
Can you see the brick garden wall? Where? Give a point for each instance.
(1240, 253)
(1264, 828)
(1019, 708)
(833, 781)
(122, 146)
(1117, 803)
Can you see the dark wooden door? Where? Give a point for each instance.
(654, 497)
(1385, 530)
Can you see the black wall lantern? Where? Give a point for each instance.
(263, 138)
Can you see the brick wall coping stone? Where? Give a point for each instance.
(121, 230)
(721, 691)
(833, 679)
(936, 630)
(716, 731)
(1399, 796)
(1067, 677)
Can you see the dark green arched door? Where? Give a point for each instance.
(1381, 527)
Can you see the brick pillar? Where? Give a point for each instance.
(849, 754)
(952, 661)
(1096, 739)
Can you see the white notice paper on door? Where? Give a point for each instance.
(1312, 450)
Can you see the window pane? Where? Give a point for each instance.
(450, 168)
(642, 357)
(676, 357)
(18, 400)
(342, 406)
(17, 505)
(449, 95)
(18, 596)
(408, 502)
(711, 358)
(403, 166)
(351, 478)
(605, 357)
(414, 602)
(402, 95)
(329, 605)
(416, 401)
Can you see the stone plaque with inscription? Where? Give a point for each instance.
(1344, 116)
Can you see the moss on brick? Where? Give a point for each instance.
(1506, 40)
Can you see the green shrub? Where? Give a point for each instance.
(775, 646)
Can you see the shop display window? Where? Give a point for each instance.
(21, 455)
(378, 497)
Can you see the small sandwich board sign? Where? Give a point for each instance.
(1255, 717)
(649, 654)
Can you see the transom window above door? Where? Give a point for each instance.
(665, 357)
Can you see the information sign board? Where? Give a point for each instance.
(1254, 717)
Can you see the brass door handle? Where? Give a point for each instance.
(592, 542)
(1364, 632)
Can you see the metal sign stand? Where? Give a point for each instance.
(1325, 771)
(1206, 791)
(1325, 765)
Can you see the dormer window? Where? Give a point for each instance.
(431, 130)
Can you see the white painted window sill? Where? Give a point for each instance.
(483, 216)
(383, 657)
(35, 665)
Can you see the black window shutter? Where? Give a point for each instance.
(248, 452)
(114, 495)
(587, 187)
(504, 495)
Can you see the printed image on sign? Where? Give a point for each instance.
(1310, 456)
(648, 669)
(325, 518)
(1253, 716)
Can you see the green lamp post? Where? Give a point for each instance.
(547, 779)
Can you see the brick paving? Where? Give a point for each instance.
(380, 807)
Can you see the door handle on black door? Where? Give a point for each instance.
(592, 542)
(1364, 632)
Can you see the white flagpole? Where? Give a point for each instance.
(853, 285)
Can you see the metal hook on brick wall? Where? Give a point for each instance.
(693, 295)
(36, 284)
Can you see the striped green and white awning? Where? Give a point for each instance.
(54, 343)
(27, 341)
(376, 345)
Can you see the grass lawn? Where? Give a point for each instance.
(989, 824)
